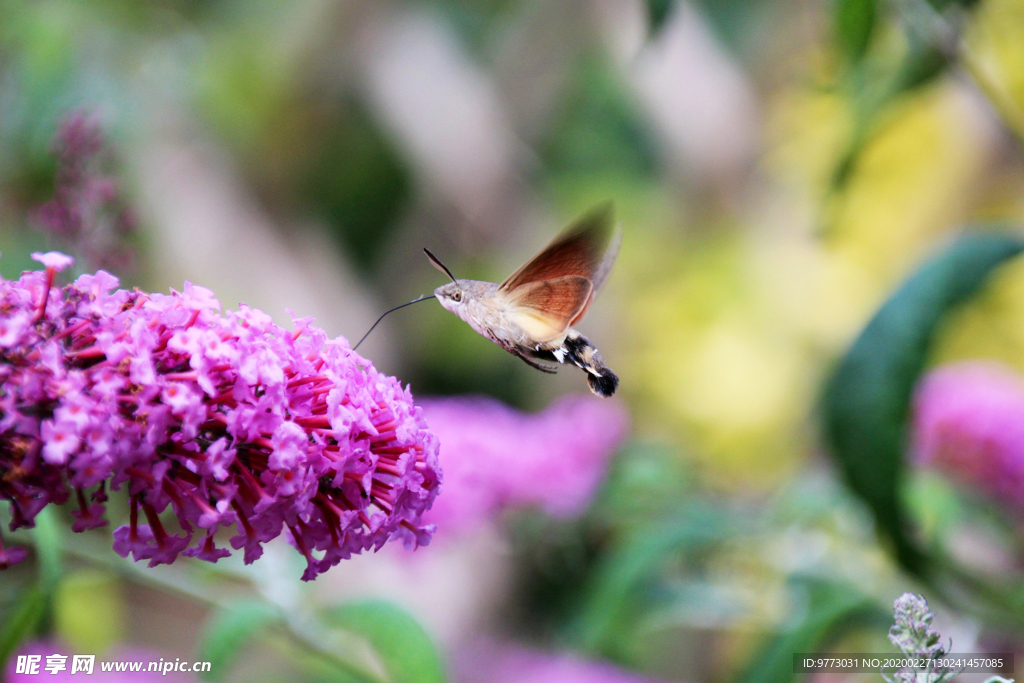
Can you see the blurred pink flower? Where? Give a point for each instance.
(509, 664)
(496, 458)
(224, 419)
(87, 214)
(969, 423)
(61, 666)
(53, 259)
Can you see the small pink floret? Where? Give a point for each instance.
(53, 260)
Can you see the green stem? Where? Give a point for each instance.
(996, 96)
(936, 29)
(303, 628)
(1001, 604)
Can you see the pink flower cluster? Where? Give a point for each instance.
(496, 458)
(969, 422)
(222, 419)
(87, 213)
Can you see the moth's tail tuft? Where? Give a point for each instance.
(603, 382)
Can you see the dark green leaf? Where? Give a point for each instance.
(737, 23)
(832, 608)
(921, 65)
(940, 5)
(854, 25)
(229, 630)
(867, 399)
(407, 652)
(658, 12)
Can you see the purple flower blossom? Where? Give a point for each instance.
(912, 632)
(9, 556)
(913, 635)
(969, 422)
(506, 664)
(497, 458)
(210, 420)
(86, 214)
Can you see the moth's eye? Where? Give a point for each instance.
(457, 296)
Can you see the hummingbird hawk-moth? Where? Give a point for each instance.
(531, 314)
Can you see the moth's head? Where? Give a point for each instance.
(451, 295)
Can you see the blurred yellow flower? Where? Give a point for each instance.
(717, 369)
(994, 35)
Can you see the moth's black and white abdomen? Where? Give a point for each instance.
(581, 352)
(603, 383)
(578, 350)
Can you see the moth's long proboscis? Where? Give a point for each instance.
(392, 310)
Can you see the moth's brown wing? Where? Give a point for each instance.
(603, 269)
(545, 309)
(579, 250)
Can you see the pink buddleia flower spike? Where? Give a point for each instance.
(207, 421)
(968, 422)
(87, 214)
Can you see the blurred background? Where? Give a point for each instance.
(778, 168)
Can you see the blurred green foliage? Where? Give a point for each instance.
(89, 611)
(866, 404)
(779, 169)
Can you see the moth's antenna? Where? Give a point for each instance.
(440, 266)
(414, 301)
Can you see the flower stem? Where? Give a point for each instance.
(302, 628)
(1001, 604)
(935, 28)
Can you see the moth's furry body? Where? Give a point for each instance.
(483, 310)
(531, 313)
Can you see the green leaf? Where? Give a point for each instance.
(229, 630)
(854, 25)
(623, 577)
(46, 536)
(866, 400)
(658, 12)
(23, 622)
(922, 64)
(832, 609)
(31, 610)
(407, 652)
(941, 5)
